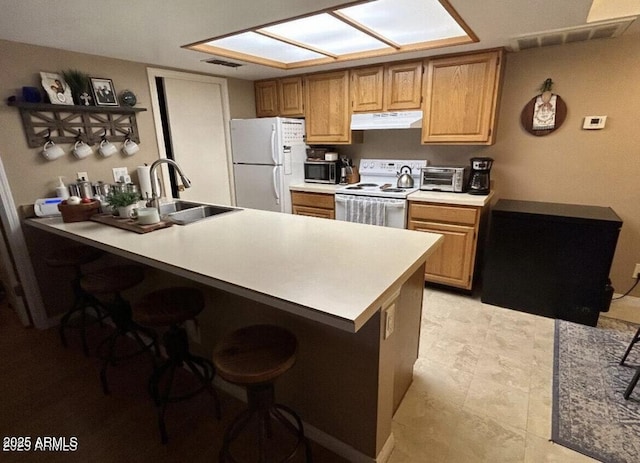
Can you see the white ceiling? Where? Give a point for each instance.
(152, 31)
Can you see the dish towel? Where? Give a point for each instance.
(371, 211)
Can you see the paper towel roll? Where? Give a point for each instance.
(145, 181)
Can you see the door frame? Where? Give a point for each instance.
(152, 73)
(24, 285)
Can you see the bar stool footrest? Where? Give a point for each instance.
(265, 419)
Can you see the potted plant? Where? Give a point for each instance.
(123, 202)
(79, 83)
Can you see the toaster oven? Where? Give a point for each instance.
(444, 178)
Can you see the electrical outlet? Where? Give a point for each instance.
(389, 320)
(82, 176)
(636, 271)
(119, 172)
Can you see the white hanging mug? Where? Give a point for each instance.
(130, 147)
(107, 148)
(81, 150)
(51, 151)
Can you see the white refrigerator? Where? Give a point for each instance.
(268, 156)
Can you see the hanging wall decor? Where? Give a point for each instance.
(545, 113)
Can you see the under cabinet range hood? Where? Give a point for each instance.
(388, 120)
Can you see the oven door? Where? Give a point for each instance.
(386, 212)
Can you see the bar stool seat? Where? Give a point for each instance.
(110, 282)
(636, 376)
(254, 357)
(75, 257)
(171, 307)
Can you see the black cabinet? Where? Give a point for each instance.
(550, 259)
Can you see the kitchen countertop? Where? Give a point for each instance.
(328, 188)
(461, 199)
(323, 270)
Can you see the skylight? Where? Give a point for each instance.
(360, 29)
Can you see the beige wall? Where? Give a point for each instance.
(570, 165)
(32, 177)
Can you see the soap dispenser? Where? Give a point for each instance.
(61, 190)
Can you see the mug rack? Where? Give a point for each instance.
(67, 124)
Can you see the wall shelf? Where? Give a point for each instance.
(67, 124)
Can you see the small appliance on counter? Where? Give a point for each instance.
(322, 171)
(47, 207)
(452, 179)
(480, 179)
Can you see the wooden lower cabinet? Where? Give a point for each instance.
(313, 204)
(453, 264)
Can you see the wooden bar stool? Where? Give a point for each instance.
(171, 307)
(109, 283)
(636, 376)
(254, 357)
(75, 257)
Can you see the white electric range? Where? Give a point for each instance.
(376, 200)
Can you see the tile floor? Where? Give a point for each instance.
(482, 385)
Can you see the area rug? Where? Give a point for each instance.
(590, 414)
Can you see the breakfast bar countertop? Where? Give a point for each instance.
(319, 269)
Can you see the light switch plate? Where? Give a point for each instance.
(389, 320)
(594, 122)
(119, 172)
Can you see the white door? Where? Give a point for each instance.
(15, 266)
(198, 120)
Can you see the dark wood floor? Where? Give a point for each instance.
(47, 390)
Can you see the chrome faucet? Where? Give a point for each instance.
(155, 200)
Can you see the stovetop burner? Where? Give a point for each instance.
(379, 178)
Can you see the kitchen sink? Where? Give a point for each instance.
(197, 212)
(177, 205)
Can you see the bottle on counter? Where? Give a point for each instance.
(61, 190)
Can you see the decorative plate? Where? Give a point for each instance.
(128, 98)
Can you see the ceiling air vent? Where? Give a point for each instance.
(221, 62)
(600, 30)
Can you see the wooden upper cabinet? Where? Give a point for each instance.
(367, 89)
(290, 99)
(461, 98)
(279, 97)
(327, 113)
(266, 98)
(387, 88)
(403, 86)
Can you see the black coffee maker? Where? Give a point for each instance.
(479, 180)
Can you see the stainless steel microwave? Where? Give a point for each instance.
(444, 178)
(321, 172)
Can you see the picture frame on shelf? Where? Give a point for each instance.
(104, 93)
(56, 87)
